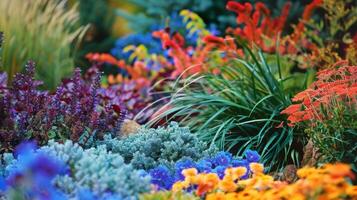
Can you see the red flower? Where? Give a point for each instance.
(332, 84)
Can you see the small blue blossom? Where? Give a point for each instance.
(204, 166)
(181, 165)
(219, 170)
(162, 177)
(222, 159)
(252, 156)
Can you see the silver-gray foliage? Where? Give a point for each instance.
(96, 170)
(151, 147)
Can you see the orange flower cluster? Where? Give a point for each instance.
(327, 182)
(332, 84)
(259, 27)
(137, 73)
(186, 59)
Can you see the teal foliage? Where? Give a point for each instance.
(96, 170)
(151, 147)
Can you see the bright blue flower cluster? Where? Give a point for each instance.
(33, 175)
(165, 176)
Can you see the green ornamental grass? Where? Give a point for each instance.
(240, 108)
(43, 31)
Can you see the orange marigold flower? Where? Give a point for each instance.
(189, 172)
(256, 168)
(227, 184)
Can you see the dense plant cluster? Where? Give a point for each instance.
(75, 111)
(164, 145)
(184, 107)
(328, 111)
(165, 176)
(72, 171)
(327, 182)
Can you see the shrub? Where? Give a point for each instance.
(165, 176)
(327, 182)
(328, 112)
(151, 147)
(75, 111)
(43, 31)
(239, 108)
(94, 171)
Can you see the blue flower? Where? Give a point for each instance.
(162, 177)
(252, 156)
(240, 163)
(204, 166)
(33, 174)
(219, 170)
(181, 165)
(222, 159)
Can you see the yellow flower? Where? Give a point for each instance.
(180, 185)
(256, 168)
(216, 196)
(189, 172)
(227, 184)
(236, 172)
(352, 191)
(305, 172)
(322, 183)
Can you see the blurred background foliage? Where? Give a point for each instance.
(105, 22)
(43, 31)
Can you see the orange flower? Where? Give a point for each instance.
(256, 168)
(206, 183)
(227, 184)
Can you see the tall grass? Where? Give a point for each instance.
(240, 108)
(43, 31)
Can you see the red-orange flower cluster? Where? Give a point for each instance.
(259, 27)
(332, 84)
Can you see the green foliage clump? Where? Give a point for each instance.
(151, 147)
(96, 170)
(43, 31)
(336, 137)
(239, 109)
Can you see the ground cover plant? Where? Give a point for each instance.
(202, 100)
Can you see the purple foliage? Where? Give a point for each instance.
(76, 110)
